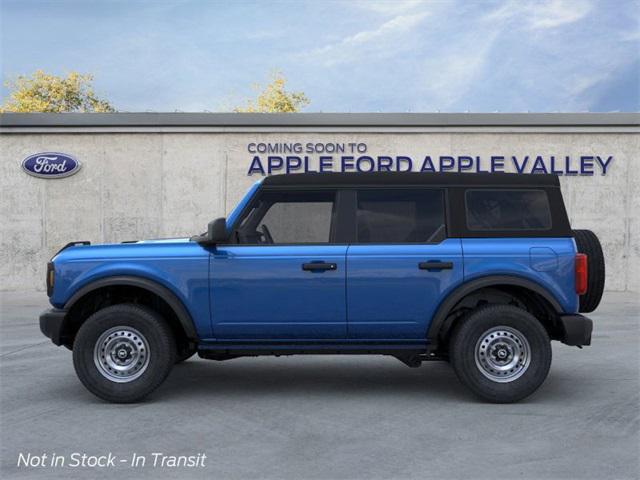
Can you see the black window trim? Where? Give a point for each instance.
(346, 204)
(457, 227)
(455, 212)
(444, 191)
(335, 217)
(511, 230)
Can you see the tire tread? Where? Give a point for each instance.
(462, 352)
(136, 390)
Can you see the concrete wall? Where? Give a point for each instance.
(154, 184)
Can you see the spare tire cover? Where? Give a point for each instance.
(587, 242)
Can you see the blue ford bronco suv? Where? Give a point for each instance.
(481, 270)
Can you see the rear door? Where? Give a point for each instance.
(401, 265)
(285, 277)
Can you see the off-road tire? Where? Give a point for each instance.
(467, 336)
(587, 242)
(157, 335)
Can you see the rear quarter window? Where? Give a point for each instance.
(502, 209)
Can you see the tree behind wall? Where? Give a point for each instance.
(42, 92)
(275, 99)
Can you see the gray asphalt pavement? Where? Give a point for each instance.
(325, 417)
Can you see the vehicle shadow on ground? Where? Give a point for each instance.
(248, 377)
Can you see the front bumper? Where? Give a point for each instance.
(51, 324)
(576, 330)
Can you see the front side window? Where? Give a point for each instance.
(400, 216)
(289, 217)
(507, 210)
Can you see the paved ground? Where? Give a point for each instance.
(328, 417)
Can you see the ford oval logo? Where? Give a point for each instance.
(50, 165)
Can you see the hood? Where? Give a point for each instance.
(128, 249)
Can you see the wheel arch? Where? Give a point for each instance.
(133, 283)
(442, 323)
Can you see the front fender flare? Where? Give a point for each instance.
(465, 289)
(150, 285)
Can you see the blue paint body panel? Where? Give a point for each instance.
(261, 292)
(180, 265)
(389, 297)
(242, 294)
(523, 257)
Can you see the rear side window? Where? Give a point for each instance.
(399, 216)
(507, 210)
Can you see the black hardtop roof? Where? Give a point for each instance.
(413, 178)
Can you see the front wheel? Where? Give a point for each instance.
(123, 352)
(501, 352)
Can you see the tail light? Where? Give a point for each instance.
(581, 273)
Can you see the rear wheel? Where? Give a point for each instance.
(501, 352)
(123, 352)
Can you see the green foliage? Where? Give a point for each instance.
(42, 92)
(275, 99)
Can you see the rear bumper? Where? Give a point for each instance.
(51, 323)
(576, 329)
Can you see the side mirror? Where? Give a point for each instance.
(216, 233)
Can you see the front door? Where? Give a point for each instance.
(285, 276)
(401, 265)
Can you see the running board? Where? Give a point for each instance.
(411, 354)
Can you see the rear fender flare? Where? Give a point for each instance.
(465, 289)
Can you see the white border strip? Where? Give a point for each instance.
(276, 129)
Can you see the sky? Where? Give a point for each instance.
(346, 56)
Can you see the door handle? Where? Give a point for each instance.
(435, 265)
(318, 266)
